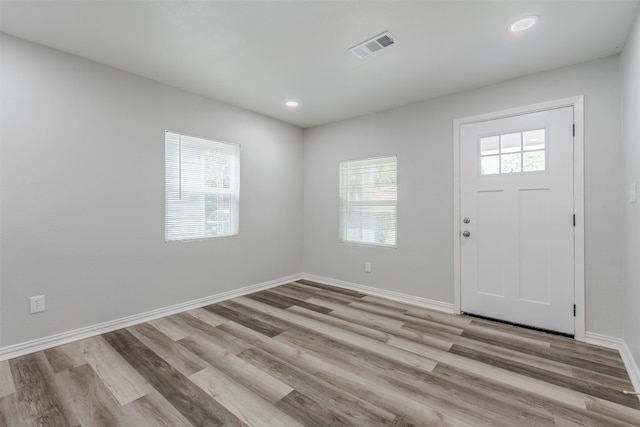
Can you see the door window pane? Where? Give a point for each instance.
(510, 143)
(489, 145)
(533, 161)
(511, 163)
(533, 140)
(490, 165)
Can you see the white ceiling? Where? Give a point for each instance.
(258, 54)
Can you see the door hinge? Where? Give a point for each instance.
(574, 220)
(574, 310)
(574, 130)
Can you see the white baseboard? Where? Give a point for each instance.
(625, 353)
(396, 296)
(44, 343)
(39, 344)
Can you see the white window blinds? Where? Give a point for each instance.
(202, 188)
(368, 201)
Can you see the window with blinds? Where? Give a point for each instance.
(202, 188)
(369, 201)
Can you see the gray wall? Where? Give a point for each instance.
(82, 175)
(421, 136)
(82, 184)
(630, 72)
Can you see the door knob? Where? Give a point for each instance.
(466, 220)
(466, 234)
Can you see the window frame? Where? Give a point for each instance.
(345, 204)
(522, 151)
(233, 191)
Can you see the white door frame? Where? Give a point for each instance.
(577, 102)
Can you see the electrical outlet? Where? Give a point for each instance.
(37, 304)
(367, 267)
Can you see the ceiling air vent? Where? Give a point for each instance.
(374, 44)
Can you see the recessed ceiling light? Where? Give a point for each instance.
(523, 23)
(291, 103)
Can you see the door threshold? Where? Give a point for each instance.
(519, 325)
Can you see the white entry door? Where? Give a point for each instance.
(517, 219)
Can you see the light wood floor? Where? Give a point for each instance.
(313, 355)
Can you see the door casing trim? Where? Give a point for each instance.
(577, 102)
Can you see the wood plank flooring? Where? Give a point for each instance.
(307, 354)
